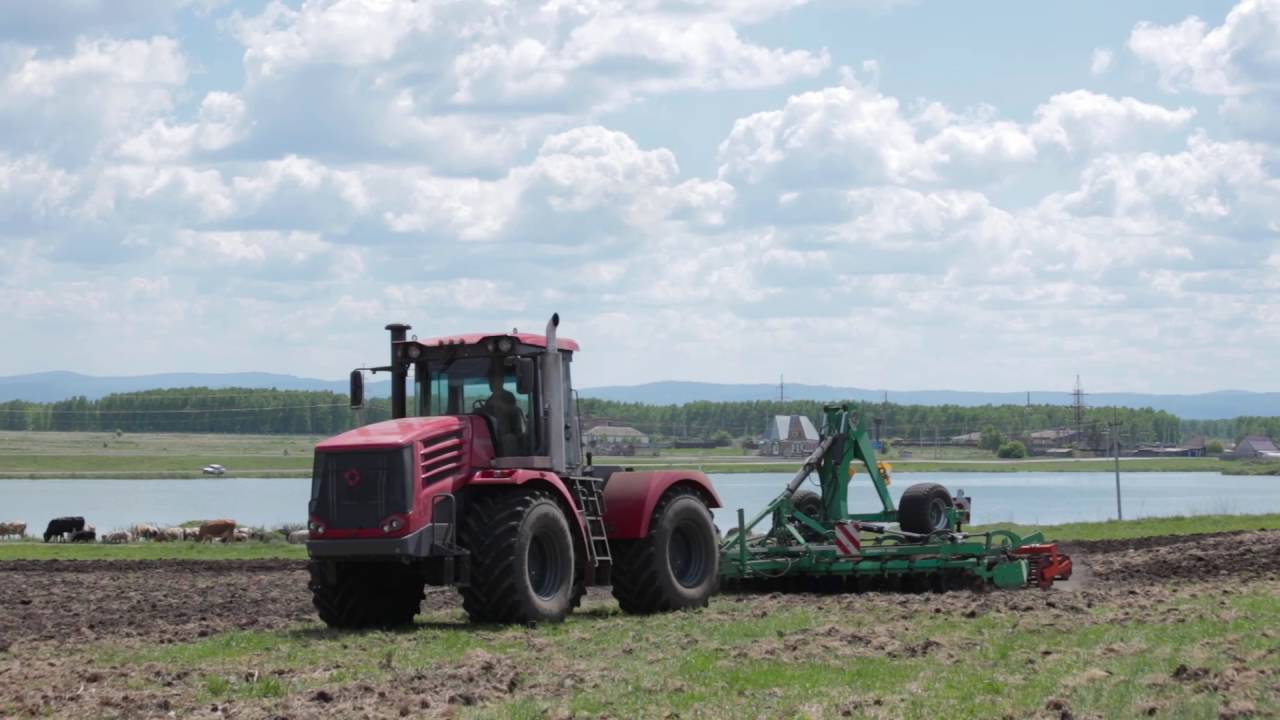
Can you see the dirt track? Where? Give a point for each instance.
(52, 609)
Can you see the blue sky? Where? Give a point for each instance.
(872, 192)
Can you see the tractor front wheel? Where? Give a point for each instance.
(363, 595)
(676, 566)
(923, 508)
(522, 563)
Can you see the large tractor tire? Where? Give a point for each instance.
(676, 566)
(365, 595)
(522, 562)
(923, 508)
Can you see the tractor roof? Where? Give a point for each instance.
(478, 338)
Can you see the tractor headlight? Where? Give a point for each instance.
(414, 352)
(506, 344)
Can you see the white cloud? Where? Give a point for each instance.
(1101, 62)
(853, 134)
(1237, 60)
(72, 105)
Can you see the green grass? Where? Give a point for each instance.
(1206, 464)
(912, 466)
(1248, 467)
(1148, 527)
(730, 661)
(79, 454)
(185, 550)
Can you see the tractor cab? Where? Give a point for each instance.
(517, 384)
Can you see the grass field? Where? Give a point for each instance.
(32, 454)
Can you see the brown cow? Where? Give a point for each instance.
(217, 530)
(169, 534)
(18, 529)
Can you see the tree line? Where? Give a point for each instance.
(270, 411)
(911, 423)
(195, 410)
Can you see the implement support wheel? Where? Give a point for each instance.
(923, 508)
(677, 565)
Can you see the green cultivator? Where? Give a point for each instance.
(918, 545)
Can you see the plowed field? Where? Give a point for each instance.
(1179, 626)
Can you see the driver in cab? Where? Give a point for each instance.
(508, 422)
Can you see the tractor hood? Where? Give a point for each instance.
(391, 433)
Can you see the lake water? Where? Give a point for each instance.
(1031, 498)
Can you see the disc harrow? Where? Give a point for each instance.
(918, 545)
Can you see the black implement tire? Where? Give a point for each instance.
(522, 561)
(923, 508)
(809, 503)
(365, 595)
(676, 566)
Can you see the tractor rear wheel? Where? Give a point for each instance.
(923, 508)
(522, 563)
(363, 595)
(676, 566)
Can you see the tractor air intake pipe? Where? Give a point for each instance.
(399, 370)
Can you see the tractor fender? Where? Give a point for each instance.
(629, 498)
(548, 480)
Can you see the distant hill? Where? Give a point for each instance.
(1206, 406)
(60, 385)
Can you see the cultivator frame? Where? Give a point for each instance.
(871, 548)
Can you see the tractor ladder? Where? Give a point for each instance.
(591, 506)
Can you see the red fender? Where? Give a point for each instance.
(629, 498)
(539, 477)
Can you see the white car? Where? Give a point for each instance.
(214, 470)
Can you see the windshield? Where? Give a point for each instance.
(482, 386)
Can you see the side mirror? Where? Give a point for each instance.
(525, 372)
(357, 389)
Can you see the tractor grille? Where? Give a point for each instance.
(358, 490)
(440, 457)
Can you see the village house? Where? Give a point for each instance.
(1256, 447)
(789, 435)
(615, 435)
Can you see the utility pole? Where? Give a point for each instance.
(781, 387)
(1115, 438)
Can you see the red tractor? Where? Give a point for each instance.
(479, 481)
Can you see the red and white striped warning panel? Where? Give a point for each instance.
(847, 541)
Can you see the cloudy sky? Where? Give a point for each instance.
(862, 192)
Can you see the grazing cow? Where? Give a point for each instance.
(86, 535)
(14, 529)
(116, 538)
(240, 535)
(170, 534)
(60, 527)
(145, 532)
(298, 537)
(216, 530)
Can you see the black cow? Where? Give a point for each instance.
(63, 525)
(84, 535)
